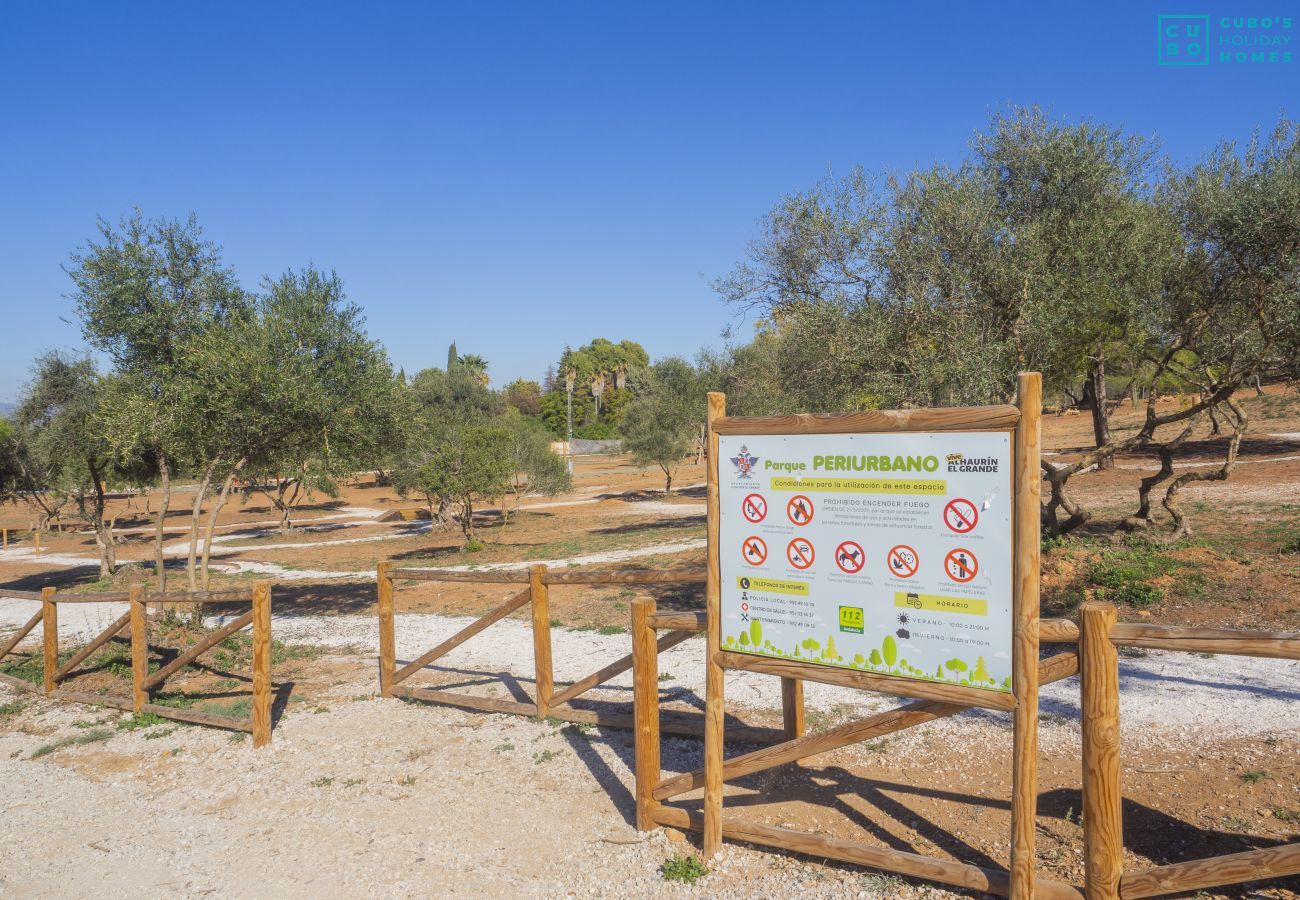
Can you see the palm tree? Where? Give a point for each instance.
(477, 366)
(597, 388)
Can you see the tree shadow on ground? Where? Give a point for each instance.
(659, 525)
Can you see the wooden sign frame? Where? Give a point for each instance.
(1022, 422)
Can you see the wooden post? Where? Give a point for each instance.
(139, 648)
(645, 710)
(541, 602)
(5, 533)
(792, 707)
(714, 702)
(261, 664)
(1024, 663)
(1103, 833)
(50, 627)
(37, 537)
(387, 639)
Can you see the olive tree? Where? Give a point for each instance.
(143, 291)
(665, 421)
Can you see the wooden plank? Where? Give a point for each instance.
(1191, 639)
(1054, 668)
(679, 621)
(963, 418)
(239, 595)
(1267, 650)
(139, 648)
(885, 684)
(1135, 630)
(14, 639)
(915, 865)
(518, 600)
(261, 664)
(387, 636)
(670, 576)
(447, 575)
(123, 703)
(1234, 868)
(198, 650)
(1027, 526)
(107, 597)
(103, 638)
(19, 683)
(7, 594)
(618, 667)
(466, 701)
(1057, 631)
(50, 635)
(1103, 832)
(714, 677)
(792, 711)
(544, 673)
(645, 710)
(198, 717)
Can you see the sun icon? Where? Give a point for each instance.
(902, 618)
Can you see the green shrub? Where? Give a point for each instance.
(684, 868)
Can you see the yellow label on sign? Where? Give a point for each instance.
(772, 585)
(851, 619)
(935, 603)
(936, 486)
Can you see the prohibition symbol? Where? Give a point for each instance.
(800, 553)
(799, 509)
(960, 565)
(903, 561)
(960, 515)
(754, 508)
(850, 558)
(754, 550)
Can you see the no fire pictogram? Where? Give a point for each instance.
(960, 565)
(754, 508)
(850, 557)
(799, 509)
(960, 515)
(754, 550)
(903, 561)
(800, 553)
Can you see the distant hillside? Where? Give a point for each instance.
(7, 409)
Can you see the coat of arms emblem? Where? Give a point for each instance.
(744, 463)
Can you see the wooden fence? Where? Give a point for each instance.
(143, 682)
(548, 699)
(1096, 661)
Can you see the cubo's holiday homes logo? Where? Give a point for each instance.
(1198, 40)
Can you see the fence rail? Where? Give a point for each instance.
(143, 682)
(1098, 636)
(546, 700)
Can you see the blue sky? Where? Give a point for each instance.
(522, 176)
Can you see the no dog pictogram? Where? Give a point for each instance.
(960, 515)
(800, 553)
(799, 509)
(754, 550)
(903, 561)
(960, 565)
(754, 508)
(850, 557)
